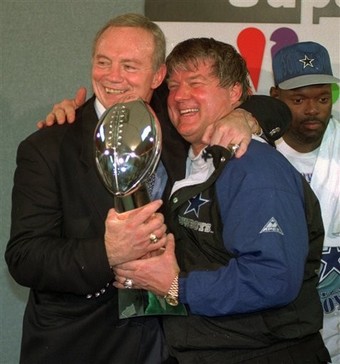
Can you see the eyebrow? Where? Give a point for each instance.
(303, 93)
(124, 60)
(191, 78)
(198, 76)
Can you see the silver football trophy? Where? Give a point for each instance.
(127, 151)
(128, 143)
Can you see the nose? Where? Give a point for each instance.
(182, 92)
(312, 107)
(115, 73)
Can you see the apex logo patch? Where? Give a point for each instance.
(272, 226)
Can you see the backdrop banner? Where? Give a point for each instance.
(258, 29)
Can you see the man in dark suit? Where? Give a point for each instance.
(63, 241)
(65, 236)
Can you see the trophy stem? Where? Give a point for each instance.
(136, 199)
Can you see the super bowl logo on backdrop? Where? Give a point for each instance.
(236, 11)
(252, 26)
(251, 43)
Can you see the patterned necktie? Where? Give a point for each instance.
(150, 183)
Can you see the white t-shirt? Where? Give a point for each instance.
(303, 162)
(324, 161)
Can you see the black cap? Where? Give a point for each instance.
(273, 115)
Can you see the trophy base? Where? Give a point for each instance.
(137, 302)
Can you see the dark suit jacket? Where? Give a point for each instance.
(56, 248)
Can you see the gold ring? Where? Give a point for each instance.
(153, 238)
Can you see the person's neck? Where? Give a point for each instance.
(301, 146)
(197, 148)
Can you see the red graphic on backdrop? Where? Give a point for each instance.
(251, 43)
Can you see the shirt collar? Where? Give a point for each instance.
(100, 109)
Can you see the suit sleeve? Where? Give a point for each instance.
(40, 253)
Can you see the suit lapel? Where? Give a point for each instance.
(102, 200)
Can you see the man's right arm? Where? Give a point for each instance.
(56, 244)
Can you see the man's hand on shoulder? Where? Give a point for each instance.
(64, 111)
(234, 129)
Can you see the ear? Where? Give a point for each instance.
(235, 93)
(274, 92)
(159, 76)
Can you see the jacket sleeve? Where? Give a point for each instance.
(42, 252)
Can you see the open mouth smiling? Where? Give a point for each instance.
(112, 91)
(187, 111)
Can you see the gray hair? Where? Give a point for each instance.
(138, 21)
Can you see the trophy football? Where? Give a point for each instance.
(127, 143)
(127, 151)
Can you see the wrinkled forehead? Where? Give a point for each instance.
(193, 64)
(130, 37)
(317, 90)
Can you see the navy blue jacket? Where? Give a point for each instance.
(248, 242)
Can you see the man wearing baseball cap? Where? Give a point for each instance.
(303, 77)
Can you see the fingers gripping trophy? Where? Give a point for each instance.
(128, 143)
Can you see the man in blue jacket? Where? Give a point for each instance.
(248, 232)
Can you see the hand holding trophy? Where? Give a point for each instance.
(127, 143)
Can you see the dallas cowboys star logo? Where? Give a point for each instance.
(330, 262)
(206, 155)
(195, 204)
(307, 61)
